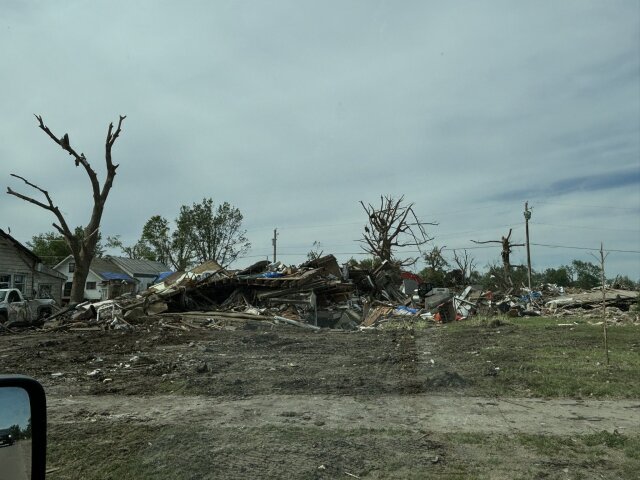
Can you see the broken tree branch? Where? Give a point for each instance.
(64, 228)
(80, 159)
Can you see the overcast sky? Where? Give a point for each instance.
(294, 111)
(15, 408)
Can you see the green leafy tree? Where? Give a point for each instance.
(520, 276)
(561, 276)
(156, 234)
(140, 250)
(495, 278)
(587, 274)
(215, 233)
(434, 272)
(52, 247)
(202, 232)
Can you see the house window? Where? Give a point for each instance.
(67, 289)
(44, 290)
(72, 267)
(18, 282)
(91, 286)
(5, 281)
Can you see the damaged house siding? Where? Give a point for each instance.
(22, 269)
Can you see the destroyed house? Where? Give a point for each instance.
(106, 280)
(22, 269)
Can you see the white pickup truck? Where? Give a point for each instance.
(14, 308)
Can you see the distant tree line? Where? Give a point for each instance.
(461, 270)
(21, 433)
(578, 274)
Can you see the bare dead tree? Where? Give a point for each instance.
(83, 243)
(392, 225)
(506, 254)
(465, 262)
(602, 258)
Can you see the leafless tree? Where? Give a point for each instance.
(393, 224)
(506, 253)
(465, 262)
(82, 243)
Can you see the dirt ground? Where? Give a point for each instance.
(258, 401)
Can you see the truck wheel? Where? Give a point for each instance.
(44, 313)
(3, 317)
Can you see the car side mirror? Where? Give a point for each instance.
(23, 428)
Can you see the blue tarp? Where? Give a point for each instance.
(271, 275)
(531, 296)
(116, 276)
(162, 276)
(406, 310)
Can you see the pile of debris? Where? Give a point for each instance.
(551, 300)
(316, 294)
(618, 305)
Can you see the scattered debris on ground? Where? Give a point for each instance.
(321, 293)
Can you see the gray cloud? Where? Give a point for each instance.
(294, 111)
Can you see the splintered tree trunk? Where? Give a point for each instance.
(507, 273)
(80, 275)
(83, 254)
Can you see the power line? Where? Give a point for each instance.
(478, 230)
(450, 249)
(607, 207)
(588, 227)
(298, 227)
(571, 247)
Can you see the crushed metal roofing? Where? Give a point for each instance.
(139, 266)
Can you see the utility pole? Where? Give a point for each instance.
(274, 242)
(527, 216)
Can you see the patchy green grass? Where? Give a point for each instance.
(598, 455)
(187, 451)
(540, 358)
